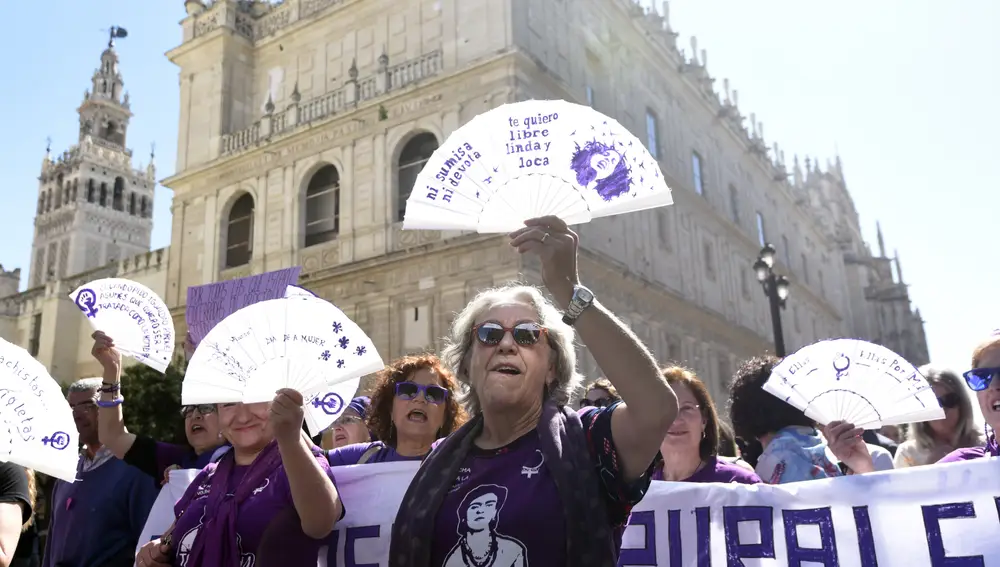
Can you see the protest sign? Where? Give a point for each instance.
(210, 303)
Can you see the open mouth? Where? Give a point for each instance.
(340, 437)
(677, 433)
(417, 415)
(996, 405)
(197, 428)
(508, 369)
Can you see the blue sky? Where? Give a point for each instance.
(903, 89)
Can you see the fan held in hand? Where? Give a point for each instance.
(131, 313)
(327, 405)
(532, 159)
(854, 381)
(38, 429)
(299, 342)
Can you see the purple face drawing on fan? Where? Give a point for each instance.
(603, 168)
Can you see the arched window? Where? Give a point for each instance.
(239, 232)
(144, 207)
(58, 191)
(90, 191)
(72, 192)
(412, 158)
(131, 203)
(41, 203)
(48, 200)
(118, 200)
(104, 195)
(323, 206)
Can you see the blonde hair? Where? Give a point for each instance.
(967, 434)
(602, 384)
(32, 497)
(560, 338)
(992, 342)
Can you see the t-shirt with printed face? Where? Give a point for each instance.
(504, 510)
(266, 512)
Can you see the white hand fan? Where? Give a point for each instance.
(132, 315)
(298, 291)
(325, 406)
(38, 430)
(531, 159)
(300, 342)
(854, 381)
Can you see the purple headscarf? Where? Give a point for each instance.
(361, 405)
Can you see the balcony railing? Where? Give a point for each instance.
(301, 113)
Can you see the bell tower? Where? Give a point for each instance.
(94, 207)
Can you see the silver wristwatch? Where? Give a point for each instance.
(582, 299)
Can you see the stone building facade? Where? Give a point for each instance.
(303, 124)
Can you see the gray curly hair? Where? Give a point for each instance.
(560, 338)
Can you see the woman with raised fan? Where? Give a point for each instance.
(529, 481)
(415, 403)
(984, 380)
(268, 501)
(153, 457)
(930, 441)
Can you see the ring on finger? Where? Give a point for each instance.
(544, 236)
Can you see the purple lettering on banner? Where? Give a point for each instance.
(996, 500)
(645, 555)
(355, 533)
(821, 517)
(703, 535)
(935, 543)
(866, 539)
(732, 517)
(674, 538)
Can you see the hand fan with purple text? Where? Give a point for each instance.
(37, 429)
(532, 159)
(132, 315)
(854, 381)
(300, 342)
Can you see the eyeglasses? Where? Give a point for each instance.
(979, 379)
(949, 400)
(689, 410)
(203, 409)
(524, 334)
(598, 403)
(347, 420)
(432, 393)
(83, 407)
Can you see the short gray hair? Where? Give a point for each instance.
(86, 385)
(560, 339)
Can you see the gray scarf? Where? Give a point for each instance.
(590, 540)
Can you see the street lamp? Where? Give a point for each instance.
(776, 289)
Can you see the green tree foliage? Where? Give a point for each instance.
(152, 402)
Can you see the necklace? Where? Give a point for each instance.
(470, 557)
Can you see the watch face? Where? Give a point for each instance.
(584, 295)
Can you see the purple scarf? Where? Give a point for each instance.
(215, 544)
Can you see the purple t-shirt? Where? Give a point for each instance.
(504, 509)
(966, 454)
(717, 470)
(350, 454)
(266, 522)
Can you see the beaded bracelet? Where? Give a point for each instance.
(110, 388)
(115, 402)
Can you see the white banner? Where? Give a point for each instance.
(936, 516)
(162, 514)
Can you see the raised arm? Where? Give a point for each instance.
(639, 425)
(110, 422)
(315, 497)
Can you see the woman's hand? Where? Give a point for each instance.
(105, 352)
(556, 246)
(844, 441)
(286, 415)
(154, 554)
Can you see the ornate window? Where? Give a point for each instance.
(90, 191)
(412, 158)
(131, 203)
(144, 210)
(323, 206)
(118, 200)
(72, 193)
(104, 195)
(41, 203)
(239, 232)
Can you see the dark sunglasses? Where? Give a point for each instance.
(979, 379)
(949, 400)
(203, 409)
(598, 403)
(524, 334)
(410, 390)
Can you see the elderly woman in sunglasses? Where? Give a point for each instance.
(529, 481)
(351, 427)
(929, 441)
(155, 458)
(414, 404)
(984, 380)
